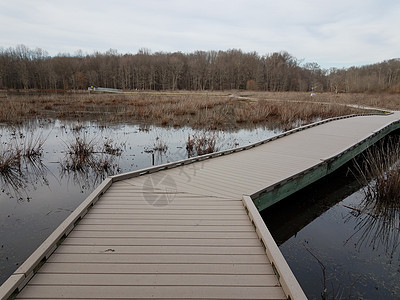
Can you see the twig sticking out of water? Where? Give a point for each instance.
(160, 145)
(323, 268)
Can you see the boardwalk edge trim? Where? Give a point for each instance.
(288, 281)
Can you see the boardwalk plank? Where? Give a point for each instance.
(172, 205)
(160, 241)
(164, 249)
(137, 199)
(162, 234)
(166, 228)
(138, 268)
(168, 211)
(140, 216)
(154, 280)
(156, 292)
(193, 222)
(158, 258)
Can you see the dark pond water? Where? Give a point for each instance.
(47, 194)
(333, 247)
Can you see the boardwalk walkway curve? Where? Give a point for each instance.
(204, 241)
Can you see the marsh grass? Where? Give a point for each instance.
(379, 212)
(21, 165)
(90, 155)
(10, 167)
(380, 172)
(217, 110)
(111, 148)
(77, 127)
(32, 146)
(21, 148)
(80, 151)
(201, 143)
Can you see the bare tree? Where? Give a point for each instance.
(23, 68)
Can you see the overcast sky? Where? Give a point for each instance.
(339, 33)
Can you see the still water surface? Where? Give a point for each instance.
(330, 246)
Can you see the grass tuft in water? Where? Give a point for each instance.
(86, 154)
(201, 143)
(21, 164)
(379, 212)
(10, 162)
(380, 173)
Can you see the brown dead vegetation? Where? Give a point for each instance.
(197, 110)
(378, 214)
(201, 143)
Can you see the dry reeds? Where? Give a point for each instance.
(84, 154)
(110, 148)
(10, 165)
(32, 146)
(80, 153)
(21, 165)
(379, 172)
(198, 110)
(201, 143)
(23, 147)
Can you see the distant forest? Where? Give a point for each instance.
(24, 68)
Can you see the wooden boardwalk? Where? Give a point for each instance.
(188, 229)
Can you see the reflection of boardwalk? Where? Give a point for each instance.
(190, 230)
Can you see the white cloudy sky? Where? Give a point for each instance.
(339, 33)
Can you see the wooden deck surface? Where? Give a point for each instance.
(190, 231)
(126, 248)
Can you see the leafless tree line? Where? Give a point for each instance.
(379, 77)
(24, 68)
